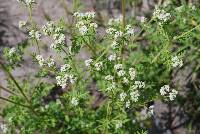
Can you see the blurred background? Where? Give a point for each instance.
(169, 118)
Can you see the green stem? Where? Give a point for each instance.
(33, 26)
(123, 8)
(186, 33)
(8, 100)
(73, 64)
(7, 90)
(90, 47)
(37, 46)
(105, 51)
(13, 79)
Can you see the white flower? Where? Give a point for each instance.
(161, 15)
(121, 73)
(93, 25)
(132, 73)
(12, 51)
(118, 67)
(118, 34)
(53, 46)
(79, 24)
(176, 62)
(74, 101)
(109, 78)
(4, 128)
(88, 62)
(83, 30)
(164, 89)
(29, 2)
(110, 31)
(193, 7)
(143, 19)
(134, 95)
(48, 29)
(114, 45)
(22, 24)
(60, 39)
(58, 29)
(118, 125)
(40, 60)
(51, 62)
(72, 79)
(112, 57)
(140, 84)
(35, 34)
(112, 87)
(90, 14)
(151, 110)
(128, 104)
(172, 94)
(122, 96)
(125, 80)
(65, 67)
(98, 66)
(62, 80)
(129, 30)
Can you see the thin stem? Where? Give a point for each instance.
(73, 64)
(89, 46)
(33, 26)
(13, 79)
(37, 45)
(105, 51)
(186, 33)
(123, 8)
(11, 101)
(7, 90)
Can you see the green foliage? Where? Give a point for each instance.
(127, 70)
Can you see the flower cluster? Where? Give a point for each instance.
(85, 23)
(22, 24)
(35, 35)
(3, 128)
(42, 62)
(112, 57)
(118, 124)
(161, 15)
(27, 2)
(117, 33)
(98, 66)
(132, 73)
(176, 62)
(74, 101)
(12, 51)
(167, 92)
(57, 33)
(65, 76)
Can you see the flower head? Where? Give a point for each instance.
(88, 62)
(74, 101)
(176, 62)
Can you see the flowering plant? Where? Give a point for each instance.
(112, 91)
